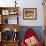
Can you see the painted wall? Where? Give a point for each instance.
(26, 4)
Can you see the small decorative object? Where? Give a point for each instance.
(15, 30)
(6, 21)
(5, 12)
(11, 12)
(15, 36)
(15, 3)
(30, 13)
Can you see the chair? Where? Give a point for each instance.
(28, 36)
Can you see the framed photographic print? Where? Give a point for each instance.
(30, 13)
(5, 12)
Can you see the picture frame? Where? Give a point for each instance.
(30, 13)
(5, 12)
(13, 12)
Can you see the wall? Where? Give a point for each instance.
(32, 4)
(26, 4)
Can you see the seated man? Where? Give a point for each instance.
(30, 38)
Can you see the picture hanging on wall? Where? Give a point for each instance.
(30, 13)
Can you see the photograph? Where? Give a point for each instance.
(30, 13)
(5, 12)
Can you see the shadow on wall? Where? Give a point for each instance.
(37, 29)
